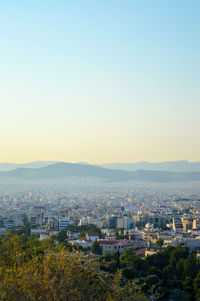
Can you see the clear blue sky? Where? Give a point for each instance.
(99, 81)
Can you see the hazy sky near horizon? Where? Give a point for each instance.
(99, 81)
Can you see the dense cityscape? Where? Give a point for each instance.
(143, 212)
(107, 221)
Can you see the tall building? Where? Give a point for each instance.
(177, 224)
(112, 221)
(63, 223)
(125, 222)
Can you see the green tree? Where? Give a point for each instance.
(152, 279)
(159, 243)
(177, 253)
(132, 264)
(188, 285)
(191, 266)
(96, 248)
(63, 276)
(197, 286)
(62, 236)
(128, 258)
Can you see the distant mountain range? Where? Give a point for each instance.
(35, 164)
(63, 170)
(172, 166)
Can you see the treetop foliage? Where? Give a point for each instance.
(31, 270)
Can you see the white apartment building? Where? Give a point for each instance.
(63, 223)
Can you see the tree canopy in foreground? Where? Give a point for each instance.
(31, 270)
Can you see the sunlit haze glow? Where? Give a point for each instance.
(99, 81)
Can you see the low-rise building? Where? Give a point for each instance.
(2, 229)
(38, 230)
(84, 243)
(72, 235)
(111, 246)
(150, 252)
(92, 236)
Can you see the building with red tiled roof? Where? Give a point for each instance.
(92, 236)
